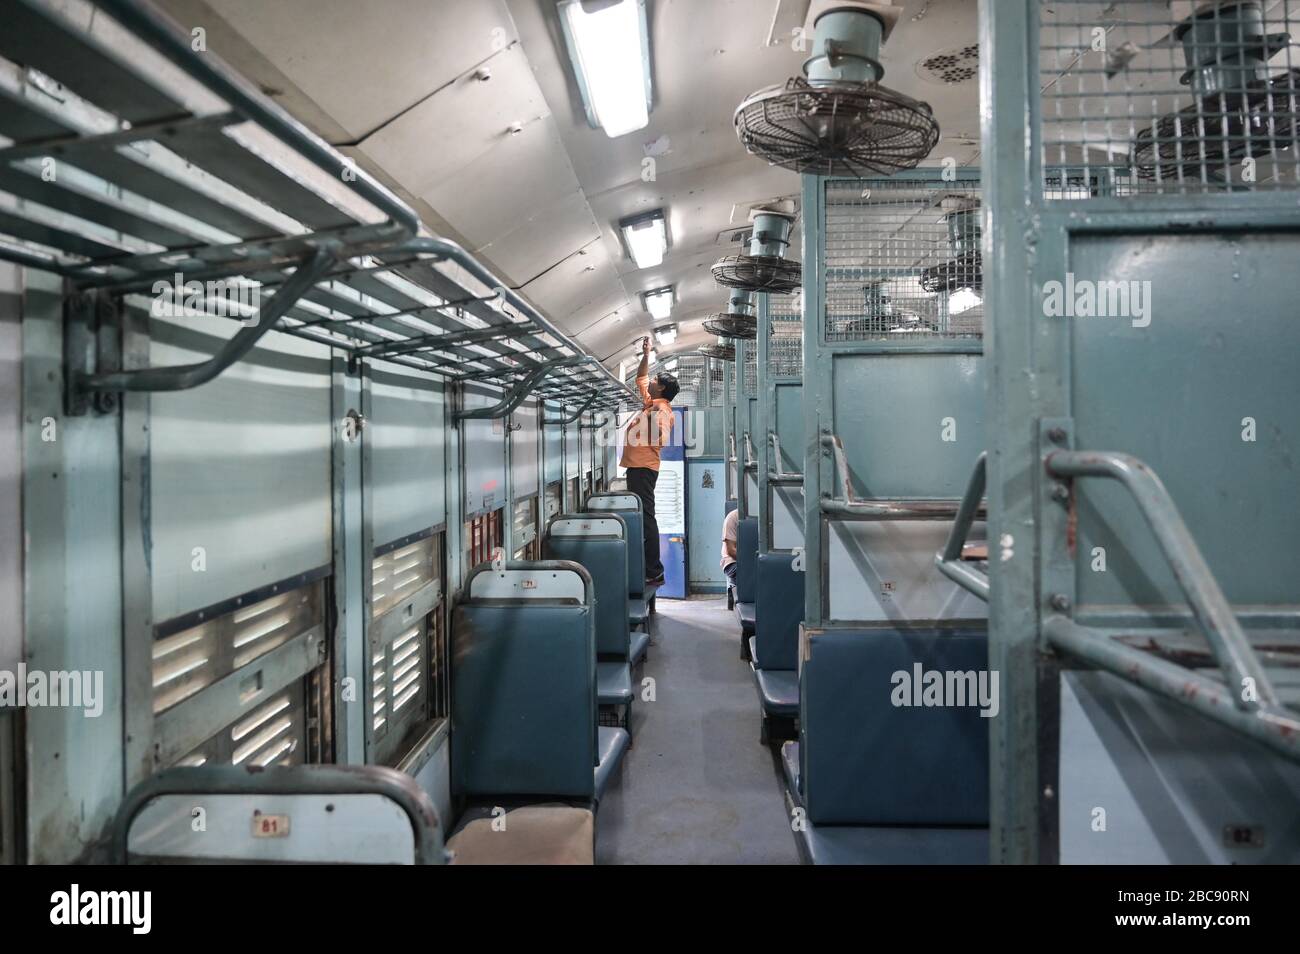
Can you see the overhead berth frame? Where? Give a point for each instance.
(139, 168)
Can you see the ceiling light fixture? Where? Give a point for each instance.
(609, 46)
(646, 238)
(659, 302)
(666, 335)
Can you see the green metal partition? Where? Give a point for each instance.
(893, 391)
(780, 421)
(1141, 489)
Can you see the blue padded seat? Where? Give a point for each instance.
(611, 745)
(613, 683)
(778, 691)
(746, 559)
(778, 611)
(867, 761)
(640, 646)
(859, 845)
(628, 507)
(512, 733)
(596, 542)
(749, 643)
(745, 613)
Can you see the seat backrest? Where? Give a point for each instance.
(880, 742)
(629, 507)
(298, 814)
(746, 559)
(778, 610)
(598, 542)
(523, 705)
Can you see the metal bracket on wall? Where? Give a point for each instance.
(92, 341)
(779, 476)
(101, 380)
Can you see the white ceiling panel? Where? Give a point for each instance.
(365, 63)
(460, 124)
(546, 234)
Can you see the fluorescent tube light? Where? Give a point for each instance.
(609, 46)
(962, 300)
(659, 302)
(646, 237)
(666, 335)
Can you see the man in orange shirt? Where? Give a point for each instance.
(646, 436)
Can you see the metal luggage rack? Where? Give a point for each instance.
(135, 167)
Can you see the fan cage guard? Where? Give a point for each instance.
(1147, 130)
(758, 273)
(720, 352)
(885, 240)
(732, 326)
(836, 128)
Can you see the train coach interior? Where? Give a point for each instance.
(324, 328)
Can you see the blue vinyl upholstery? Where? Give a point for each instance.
(605, 558)
(513, 733)
(611, 745)
(746, 559)
(867, 761)
(778, 691)
(745, 612)
(640, 645)
(778, 611)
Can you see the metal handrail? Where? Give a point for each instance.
(1210, 607)
(400, 788)
(186, 376)
(949, 560)
(878, 508)
(751, 456)
(731, 439)
(576, 414)
(779, 476)
(519, 392)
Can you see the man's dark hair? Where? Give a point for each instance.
(669, 385)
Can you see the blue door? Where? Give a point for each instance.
(706, 498)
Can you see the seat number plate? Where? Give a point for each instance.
(270, 826)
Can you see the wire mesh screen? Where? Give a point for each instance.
(689, 371)
(1168, 97)
(715, 381)
(903, 260)
(785, 346)
(749, 383)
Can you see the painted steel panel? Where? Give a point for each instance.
(789, 426)
(884, 570)
(912, 424)
(523, 451)
(1205, 394)
(484, 455)
(706, 494)
(239, 478)
(407, 453)
(11, 457)
(1191, 805)
(787, 517)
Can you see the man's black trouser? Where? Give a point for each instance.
(641, 481)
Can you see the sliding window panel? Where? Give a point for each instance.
(239, 480)
(407, 454)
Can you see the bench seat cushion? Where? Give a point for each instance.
(533, 835)
(611, 746)
(745, 613)
(613, 683)
(855, 845)
(779, 691)
(640, 645)
(638, 611)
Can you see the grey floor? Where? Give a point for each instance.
(696, 787)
